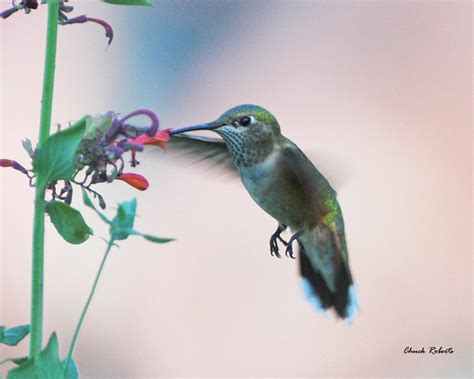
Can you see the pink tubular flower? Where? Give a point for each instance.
(109, 32)
(159, 139)
(135, 180)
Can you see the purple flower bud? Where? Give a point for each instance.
(13, 164)
(8, 12)
(19, 167)
(68, 198)
(128, 146)
(102, 204)
(27, 5)
(115, 152)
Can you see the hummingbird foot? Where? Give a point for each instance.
(274, 250)
(289, 246)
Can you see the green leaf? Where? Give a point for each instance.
(87, 200)
(146, 3)
(17, 360)
(56, 158)
(68, 222)
(72, 371)
(88, 203)
(13, 336)
(28, 147)
(122, 224)
(46, 365)
(155, 239)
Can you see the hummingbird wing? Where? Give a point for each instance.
(336, 171)
(324, 266)
(202, 149)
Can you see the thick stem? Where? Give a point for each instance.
(36, 324)
(88, 302)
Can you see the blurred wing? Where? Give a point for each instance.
(204, 150)
(334, 169)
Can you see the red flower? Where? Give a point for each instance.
(135, 180)
(6, 163)
(13, 164)
(159, 139)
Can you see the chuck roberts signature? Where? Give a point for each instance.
(430, 350)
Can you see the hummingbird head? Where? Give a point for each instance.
(248, 130)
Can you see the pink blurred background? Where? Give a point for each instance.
(381, 91)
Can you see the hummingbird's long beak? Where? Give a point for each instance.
(209, 126)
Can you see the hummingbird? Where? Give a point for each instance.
(283, 181)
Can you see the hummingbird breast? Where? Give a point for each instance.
(287, 186)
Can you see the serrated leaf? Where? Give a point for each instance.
(146, 3)
(56, 158)
(88, 203)
(13, 336)
(46, 365)
(122, 224)
(68, 222)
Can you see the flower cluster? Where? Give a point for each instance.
(107, 138)
(100, 155)
(26, 5)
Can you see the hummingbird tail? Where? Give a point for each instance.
(341, 297)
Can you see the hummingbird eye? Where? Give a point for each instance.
(245, 121)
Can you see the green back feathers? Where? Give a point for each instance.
(333, 209)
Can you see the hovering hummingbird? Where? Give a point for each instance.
(286, 185)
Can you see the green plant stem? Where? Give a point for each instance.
(49, 70)
(88, 302)
(36, 324)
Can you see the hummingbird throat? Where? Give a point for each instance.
(247, 148)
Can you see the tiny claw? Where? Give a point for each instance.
(289, 247)
(274, 250)
(289, 252)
